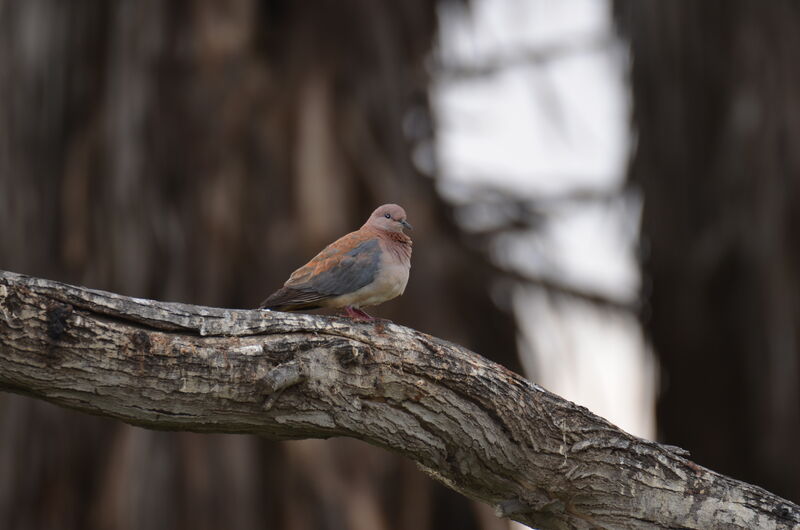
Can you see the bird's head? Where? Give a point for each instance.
(389, 217)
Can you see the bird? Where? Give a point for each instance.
(361, 269)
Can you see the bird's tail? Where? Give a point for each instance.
(288, 299)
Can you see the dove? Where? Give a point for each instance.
(361, 269)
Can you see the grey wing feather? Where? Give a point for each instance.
(288, 299)
(357, 269)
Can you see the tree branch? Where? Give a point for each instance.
(477, 427)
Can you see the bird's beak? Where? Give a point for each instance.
(406, 224)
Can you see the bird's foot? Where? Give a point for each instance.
(357, 314)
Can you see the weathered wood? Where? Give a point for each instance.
(470, 423)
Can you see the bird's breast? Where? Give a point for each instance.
(389, 282)
(393, 278)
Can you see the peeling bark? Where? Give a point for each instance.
(470, 423)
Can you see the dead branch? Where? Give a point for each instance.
(470, 423)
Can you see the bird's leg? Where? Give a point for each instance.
(357, 314)
(363, 314)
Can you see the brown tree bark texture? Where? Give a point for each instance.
(470, 423)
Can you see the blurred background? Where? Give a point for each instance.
(605, 196)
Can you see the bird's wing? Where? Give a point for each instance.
(344, 266)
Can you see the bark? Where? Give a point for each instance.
(477, 427)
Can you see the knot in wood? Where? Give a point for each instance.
(284, 376)
(57, 315)
(349, 353)
(141, 342)
(10, 299)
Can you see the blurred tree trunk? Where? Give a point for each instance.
(716, 93)
(275, 126)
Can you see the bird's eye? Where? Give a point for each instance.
(388, 216)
